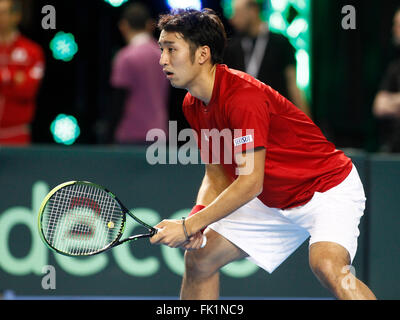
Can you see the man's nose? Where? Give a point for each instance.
(163, 59)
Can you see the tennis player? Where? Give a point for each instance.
(300, 185)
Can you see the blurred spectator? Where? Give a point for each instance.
(386, 105)
(387, 109)
(395, 54)
(21, 71)
(140, 98)
(267, 56)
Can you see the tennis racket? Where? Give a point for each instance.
(80, 218)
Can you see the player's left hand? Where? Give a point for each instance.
(195, 243)
(170, 233)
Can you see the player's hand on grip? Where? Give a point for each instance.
(169, 233)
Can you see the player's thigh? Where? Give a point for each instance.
(217, 253)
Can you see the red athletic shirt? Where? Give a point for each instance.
(21, 71)
(299, 159)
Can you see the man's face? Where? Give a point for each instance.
(396, 27)
(176, 60)
(242, 16)
(8, 18)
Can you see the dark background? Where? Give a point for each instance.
(347, 66)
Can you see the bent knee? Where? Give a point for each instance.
(328, 259)
(199, 265)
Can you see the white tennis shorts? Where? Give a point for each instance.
(269, 235)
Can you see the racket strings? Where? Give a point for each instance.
(99, 233)
(82, 219)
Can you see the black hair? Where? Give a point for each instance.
(199, 28)
(137, 15)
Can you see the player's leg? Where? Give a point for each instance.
(330, 263)
(253, 230)
(332, 219)
(201, 277)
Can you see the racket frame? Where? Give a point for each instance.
(116, 242)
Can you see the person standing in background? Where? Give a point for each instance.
(21, 72)
(395, 40)
(386, 105)
(267, 56)
(140, 97)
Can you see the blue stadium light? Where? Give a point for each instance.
(184, 4)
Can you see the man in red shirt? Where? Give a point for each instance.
(272, 179)
(21, 70)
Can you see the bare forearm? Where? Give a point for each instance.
(387, 104)
(219, 199)
(211, 188)
(236, 195)
(246, 187)
(395, 97)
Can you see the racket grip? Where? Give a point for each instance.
(204, 241)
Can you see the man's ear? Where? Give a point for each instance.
(204, 54)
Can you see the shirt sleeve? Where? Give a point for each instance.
(249, 119)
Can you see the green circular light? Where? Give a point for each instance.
(65, 129)
(63, 46)
(115, 3)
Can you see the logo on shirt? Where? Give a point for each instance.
(242, 140)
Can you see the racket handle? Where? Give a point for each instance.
(204, 241)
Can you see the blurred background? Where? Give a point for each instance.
(66, 122)
(345, 66)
